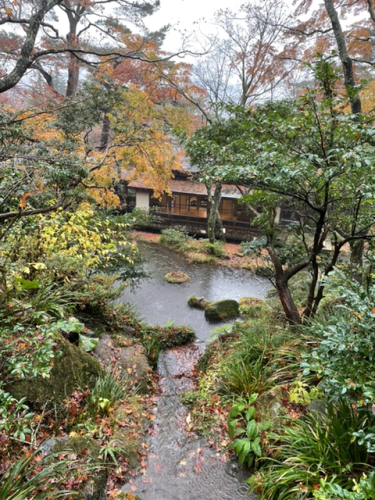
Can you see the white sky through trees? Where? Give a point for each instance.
(187, 15)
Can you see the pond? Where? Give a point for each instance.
(159, 302)
(180, 464)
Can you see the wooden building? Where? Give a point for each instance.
(187, 206)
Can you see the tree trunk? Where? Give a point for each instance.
(281, 281)
(104, 138)
(213, 206)
(74, 65)
(24, 60)
(356, 258)
(290, 309)
(347, 63)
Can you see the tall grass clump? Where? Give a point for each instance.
(216, 248)
(110, 388)
(32, 477)
(319, 445)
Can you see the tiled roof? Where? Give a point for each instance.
(191, 187)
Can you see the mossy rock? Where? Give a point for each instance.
(198, 302)
(131, 360)
(270, 408)
(252, 306)
(176, 278)
(72, 369)
(88, 453)
(221, 309)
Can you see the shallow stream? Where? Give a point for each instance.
(181, 465)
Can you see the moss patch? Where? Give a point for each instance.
(199, 258)
(87, 451)
(176, 277)
(221, 309)
(129, 440)
(252, 306)
(72, 368)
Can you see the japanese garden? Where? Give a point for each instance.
(187, 250)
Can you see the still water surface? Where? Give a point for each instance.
(159, 302)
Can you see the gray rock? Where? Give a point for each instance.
(127, 331)
(270, 408)
(131, 360)
(317, 407)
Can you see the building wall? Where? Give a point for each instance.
(142, 199)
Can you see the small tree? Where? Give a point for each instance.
(314, 158)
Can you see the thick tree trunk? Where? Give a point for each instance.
(356, 258)
(73, 76)
(347, 63)
(74, 64)
(73, 68)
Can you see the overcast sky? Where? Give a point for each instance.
(187, 15)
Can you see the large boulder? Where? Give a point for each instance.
(72, 369)
(87, 452)
(221, 309)
(131, 361)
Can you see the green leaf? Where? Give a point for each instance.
(250, 413)
(255, 446)
(252, 431)
(231, 426)
(27, 284)
(243, 454)
(87, 343)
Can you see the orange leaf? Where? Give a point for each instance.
(23, 200)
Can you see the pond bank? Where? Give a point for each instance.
(232, 251)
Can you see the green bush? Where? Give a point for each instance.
(345, 357)
(364, 489)
(175, 238)
(247, 442)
